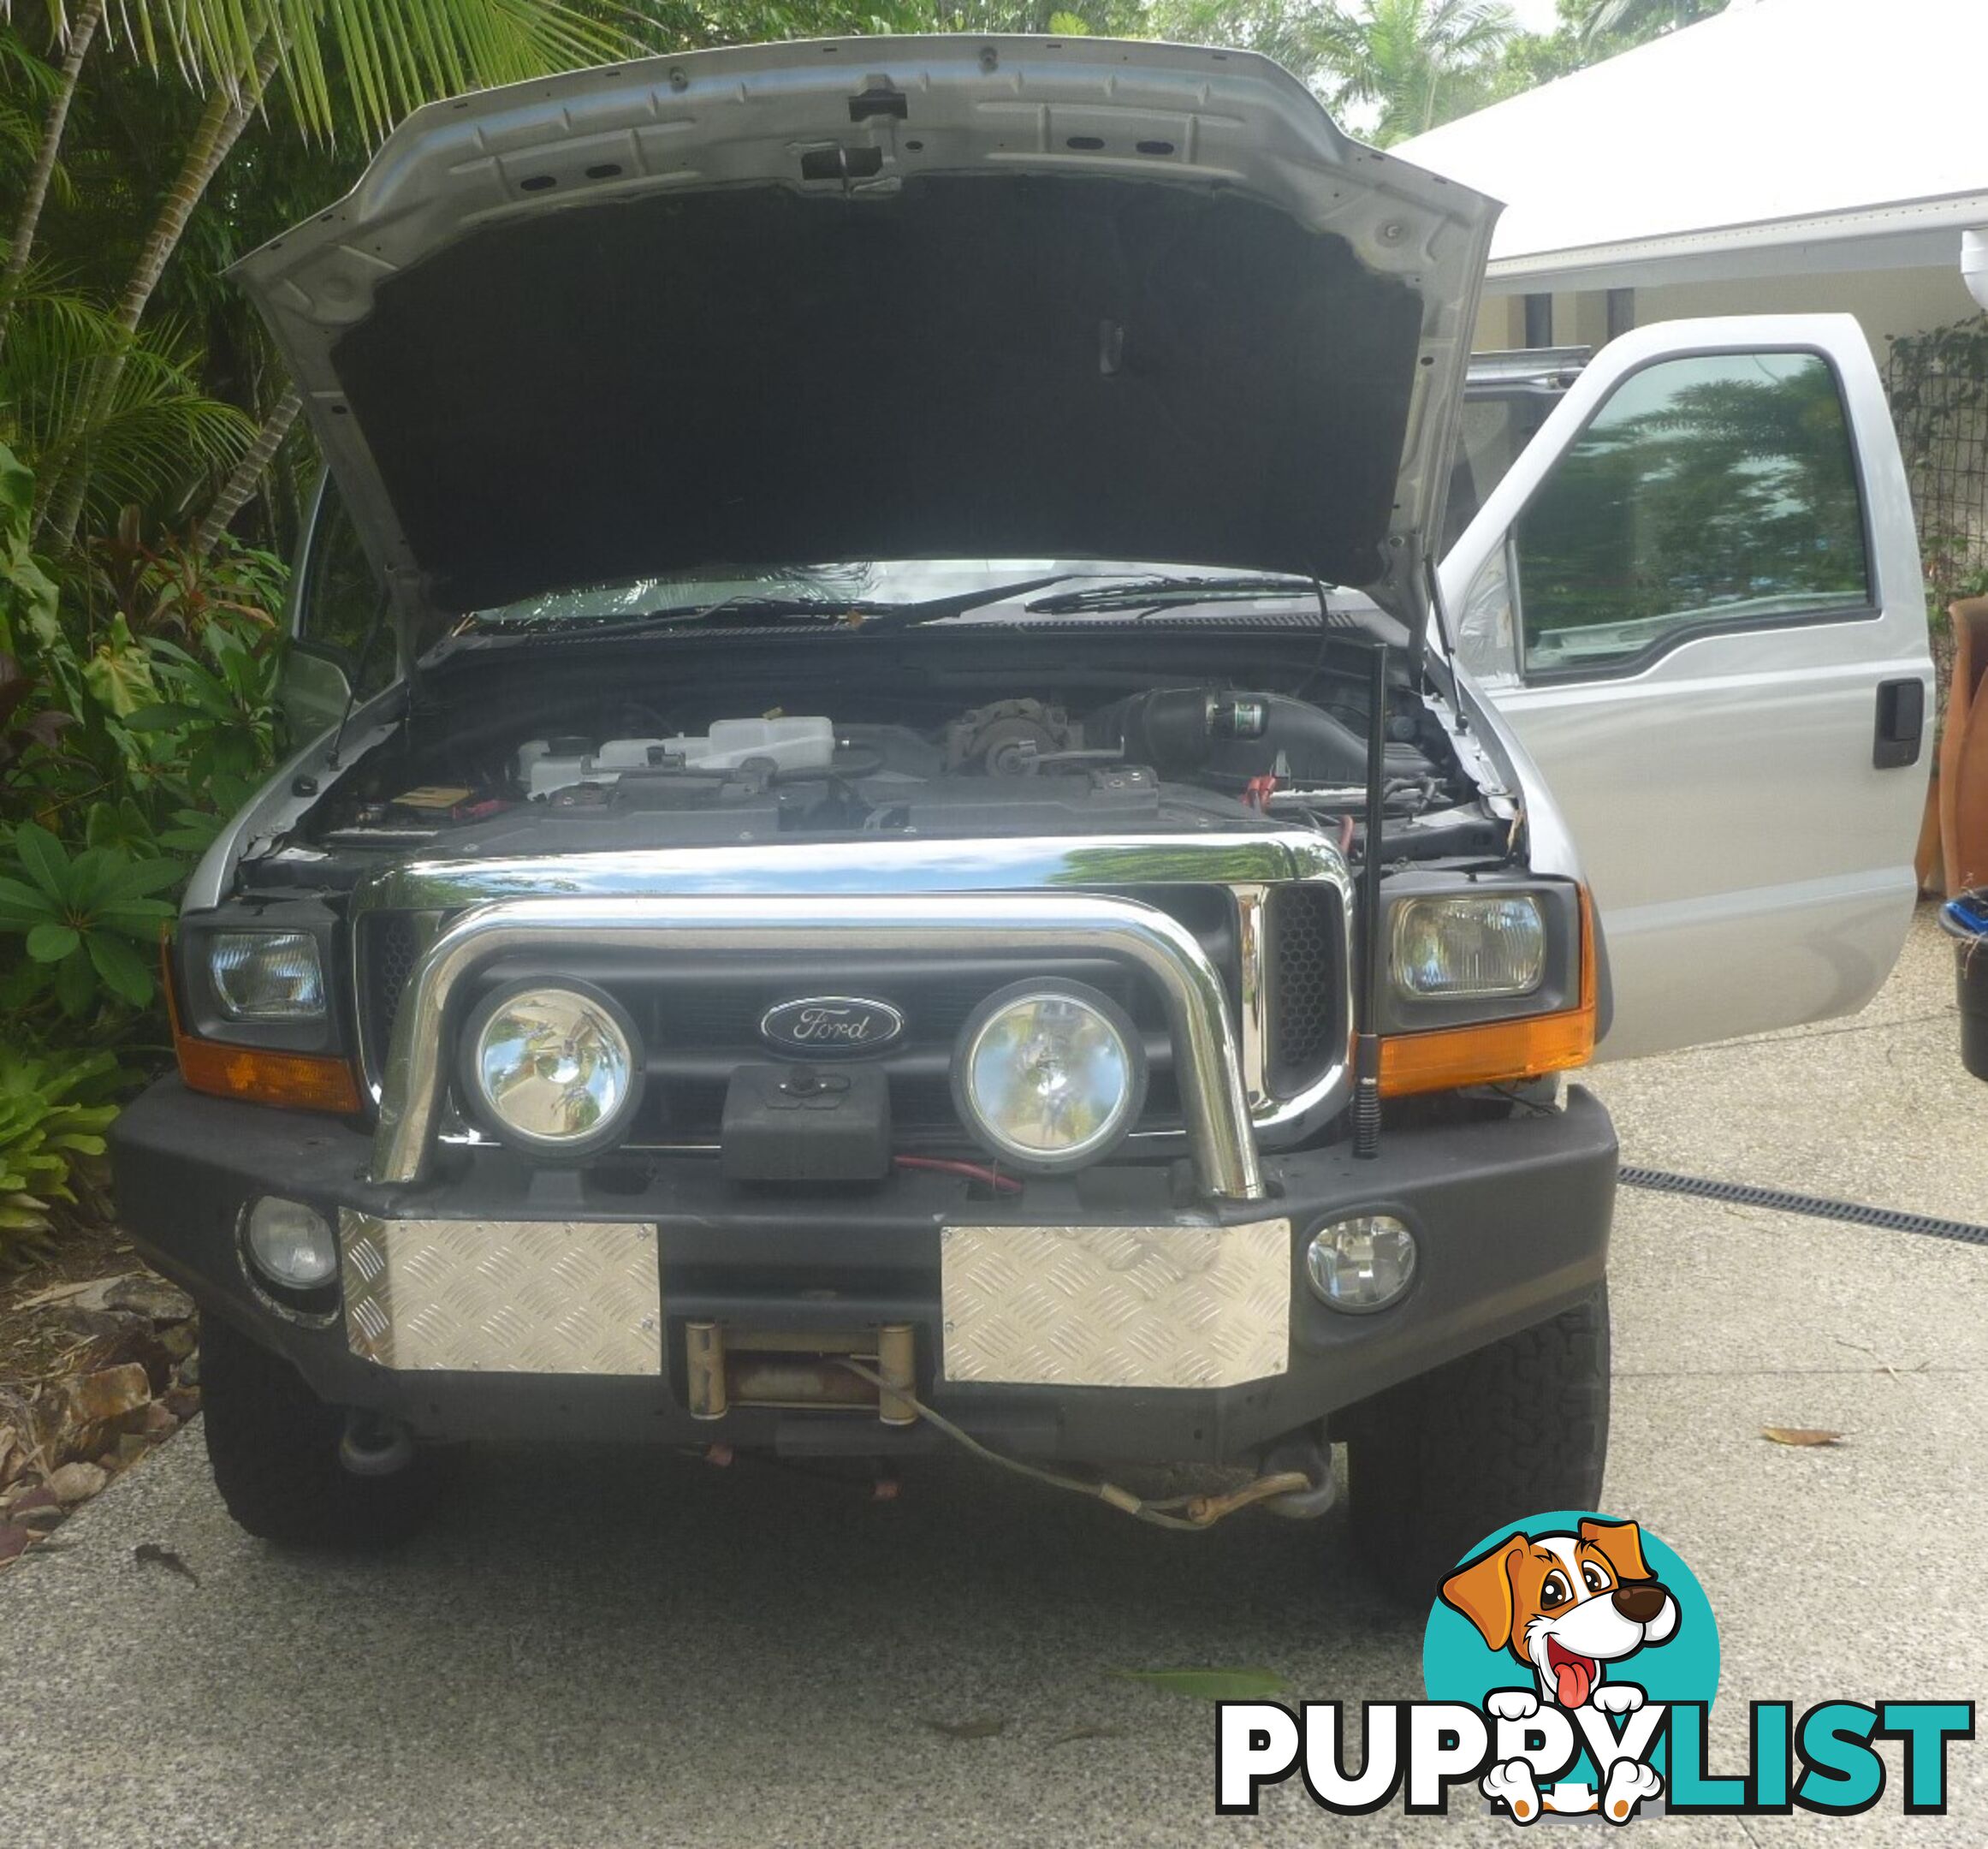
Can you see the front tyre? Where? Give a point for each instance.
(1439, 1462)
(273, 1446)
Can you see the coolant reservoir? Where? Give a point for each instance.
(796, 743)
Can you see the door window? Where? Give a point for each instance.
(341, 610)
(1719, 489)
(1496, 426)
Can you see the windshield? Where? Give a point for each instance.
(870, 583)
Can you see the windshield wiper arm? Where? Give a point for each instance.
(748, 608)
(1156, 593)
(686, 615)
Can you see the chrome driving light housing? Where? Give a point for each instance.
(555, 1068)
(1361, 1265)
(1049, 1076)
(266, 976)
(289, 1245)
(1467, 947)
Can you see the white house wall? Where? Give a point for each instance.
(1885, 302)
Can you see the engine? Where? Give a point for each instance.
(1185, 759)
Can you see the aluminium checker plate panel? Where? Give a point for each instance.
(1116, 1306)
(516, 1296)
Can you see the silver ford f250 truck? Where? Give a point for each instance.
(906, 840)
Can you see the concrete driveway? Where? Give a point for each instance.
(604, 1649)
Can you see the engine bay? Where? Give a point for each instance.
(1186, 758)
(716, 742)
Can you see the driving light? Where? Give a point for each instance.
(553, 1068)
(267, 975)
(290, 1244)
(1361, 1265)
(1468, 947)
(1049, 1077)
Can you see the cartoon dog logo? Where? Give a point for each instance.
(1569, 1606)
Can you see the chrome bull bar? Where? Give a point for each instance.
(1209, 1067)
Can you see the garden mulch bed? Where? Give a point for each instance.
(32, 1340)
(97, 1367)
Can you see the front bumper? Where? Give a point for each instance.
(1511, 1217)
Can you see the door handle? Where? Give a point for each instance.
(1900, 723)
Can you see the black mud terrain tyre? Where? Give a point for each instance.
(1437, 1463)
(273, 1445)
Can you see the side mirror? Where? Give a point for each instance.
(315, 688)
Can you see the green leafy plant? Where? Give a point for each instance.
(220, 713)
(1937, 385)
(82, 918)
(23, 725)
(167, 586)
(27, 594)
(53, 1113)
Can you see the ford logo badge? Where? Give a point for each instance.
(831, 1024)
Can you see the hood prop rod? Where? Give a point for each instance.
(1445, 679)
(1367, 974)
(365, 650)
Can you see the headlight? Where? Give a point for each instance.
(553, 1068)
(1468, 946)
(1050, 1076)
(267, 975)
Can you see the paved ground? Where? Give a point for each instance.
(602, 1651)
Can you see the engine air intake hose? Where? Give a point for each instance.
(1184, 731)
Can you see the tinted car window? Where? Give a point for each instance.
(1718, 488)
(343, 598)
(1496, 426)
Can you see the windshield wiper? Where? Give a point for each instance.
(747, 609)
(1157, 593)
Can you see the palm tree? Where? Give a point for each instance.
(355, 62)
(1421, 62)
(156, 435)
(1285, 30)
(246, 475)
(74, 35)
(1641, 19)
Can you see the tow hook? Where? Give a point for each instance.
(1314, 1461)
(375, 1446)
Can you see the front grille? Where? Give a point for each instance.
(390, 948)
(698, 1023)
(1306, 984)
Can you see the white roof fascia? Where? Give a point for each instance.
(1921, 234)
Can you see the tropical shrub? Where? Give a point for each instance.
(54, 1109)
(137, 710)
(85, 920)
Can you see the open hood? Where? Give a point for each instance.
(883, 298)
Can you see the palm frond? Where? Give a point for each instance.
(27, 83)
(29, 78)
(156, 436)
(368, 62)
(1407, 58)
(53, 16)
(46, 291)
(1603, 19)
(393, 55)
